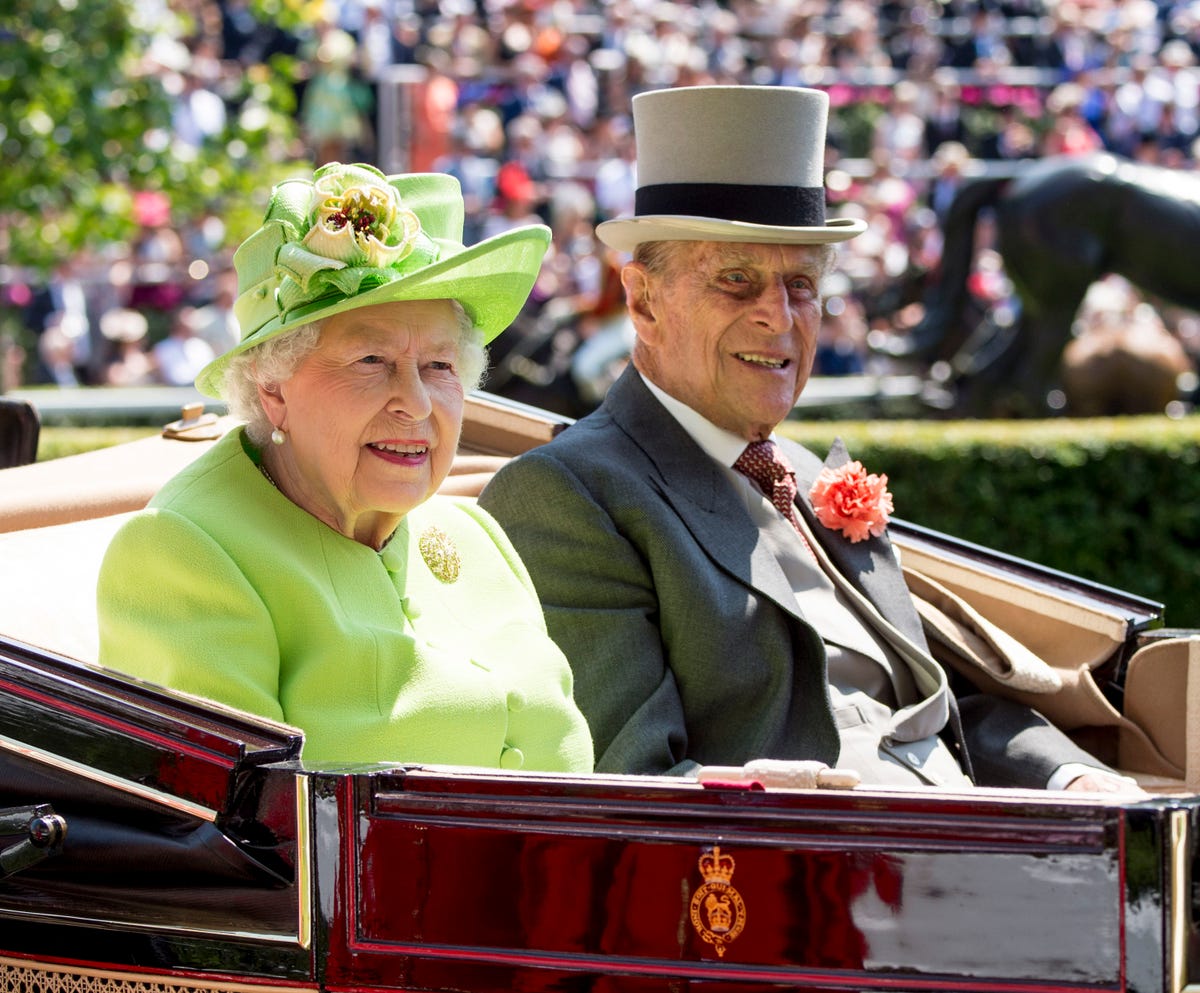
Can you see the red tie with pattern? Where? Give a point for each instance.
(764, 463)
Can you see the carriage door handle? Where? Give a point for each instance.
(44, 833)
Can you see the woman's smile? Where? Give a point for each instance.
(400, 452)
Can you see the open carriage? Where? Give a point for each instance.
(153, 842)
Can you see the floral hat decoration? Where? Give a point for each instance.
(352, 237)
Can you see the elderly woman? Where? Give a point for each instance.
(303, 568)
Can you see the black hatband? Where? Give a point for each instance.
(778, 206)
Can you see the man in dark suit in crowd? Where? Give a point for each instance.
(712, 613)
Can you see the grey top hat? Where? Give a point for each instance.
(730, 163)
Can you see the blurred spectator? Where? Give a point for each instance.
(129, 363)
(943, 120)
(981, 40)
(513, 205)
(60, 303)
(180, 356)
(616, 172)
(157, 277)
(571, 270)
(1180, 122)
(890, 192)
(378, 45)
(458, 30)
(1137, 106)
(199, 113)
(915, 47)
(562, 144)
(950, 163)
(335, 108)
(477, 141)
(434, 110)
(247, 40)
(1070, 46)
(526, 145)
(988, 284)
(842, 339)
(727, 53)
(1070, 133)
(900, 130)
(215, 322)
(57, 351)
(571, 73)
(1014, 138)
(527, 89)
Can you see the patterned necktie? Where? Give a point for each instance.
(764, 463)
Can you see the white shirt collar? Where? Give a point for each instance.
(722, 445)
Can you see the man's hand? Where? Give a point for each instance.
(1099, 781)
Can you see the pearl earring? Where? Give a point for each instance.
(278, 437)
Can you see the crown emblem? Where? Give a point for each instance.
(715, 867)
(717, 911)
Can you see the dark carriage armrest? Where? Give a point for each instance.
(176, 810)
(151, 742)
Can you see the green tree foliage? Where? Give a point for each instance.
(85, 123)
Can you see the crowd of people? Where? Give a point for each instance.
(527, 103)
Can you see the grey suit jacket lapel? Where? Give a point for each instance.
(870, 565)
(698, 491)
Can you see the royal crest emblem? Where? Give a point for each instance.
(717, 911)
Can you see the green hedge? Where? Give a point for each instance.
(56, 442)
(1116, 501)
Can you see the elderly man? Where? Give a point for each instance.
(709, 617)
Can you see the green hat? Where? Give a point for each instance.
(353, 237)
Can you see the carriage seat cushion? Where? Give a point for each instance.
(48, 584)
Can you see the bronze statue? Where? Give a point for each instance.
(1060, 225)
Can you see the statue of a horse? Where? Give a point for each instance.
(1060, 224)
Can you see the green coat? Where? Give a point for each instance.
(225, 589)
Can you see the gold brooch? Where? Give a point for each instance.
(440, 555)
(717, 911)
